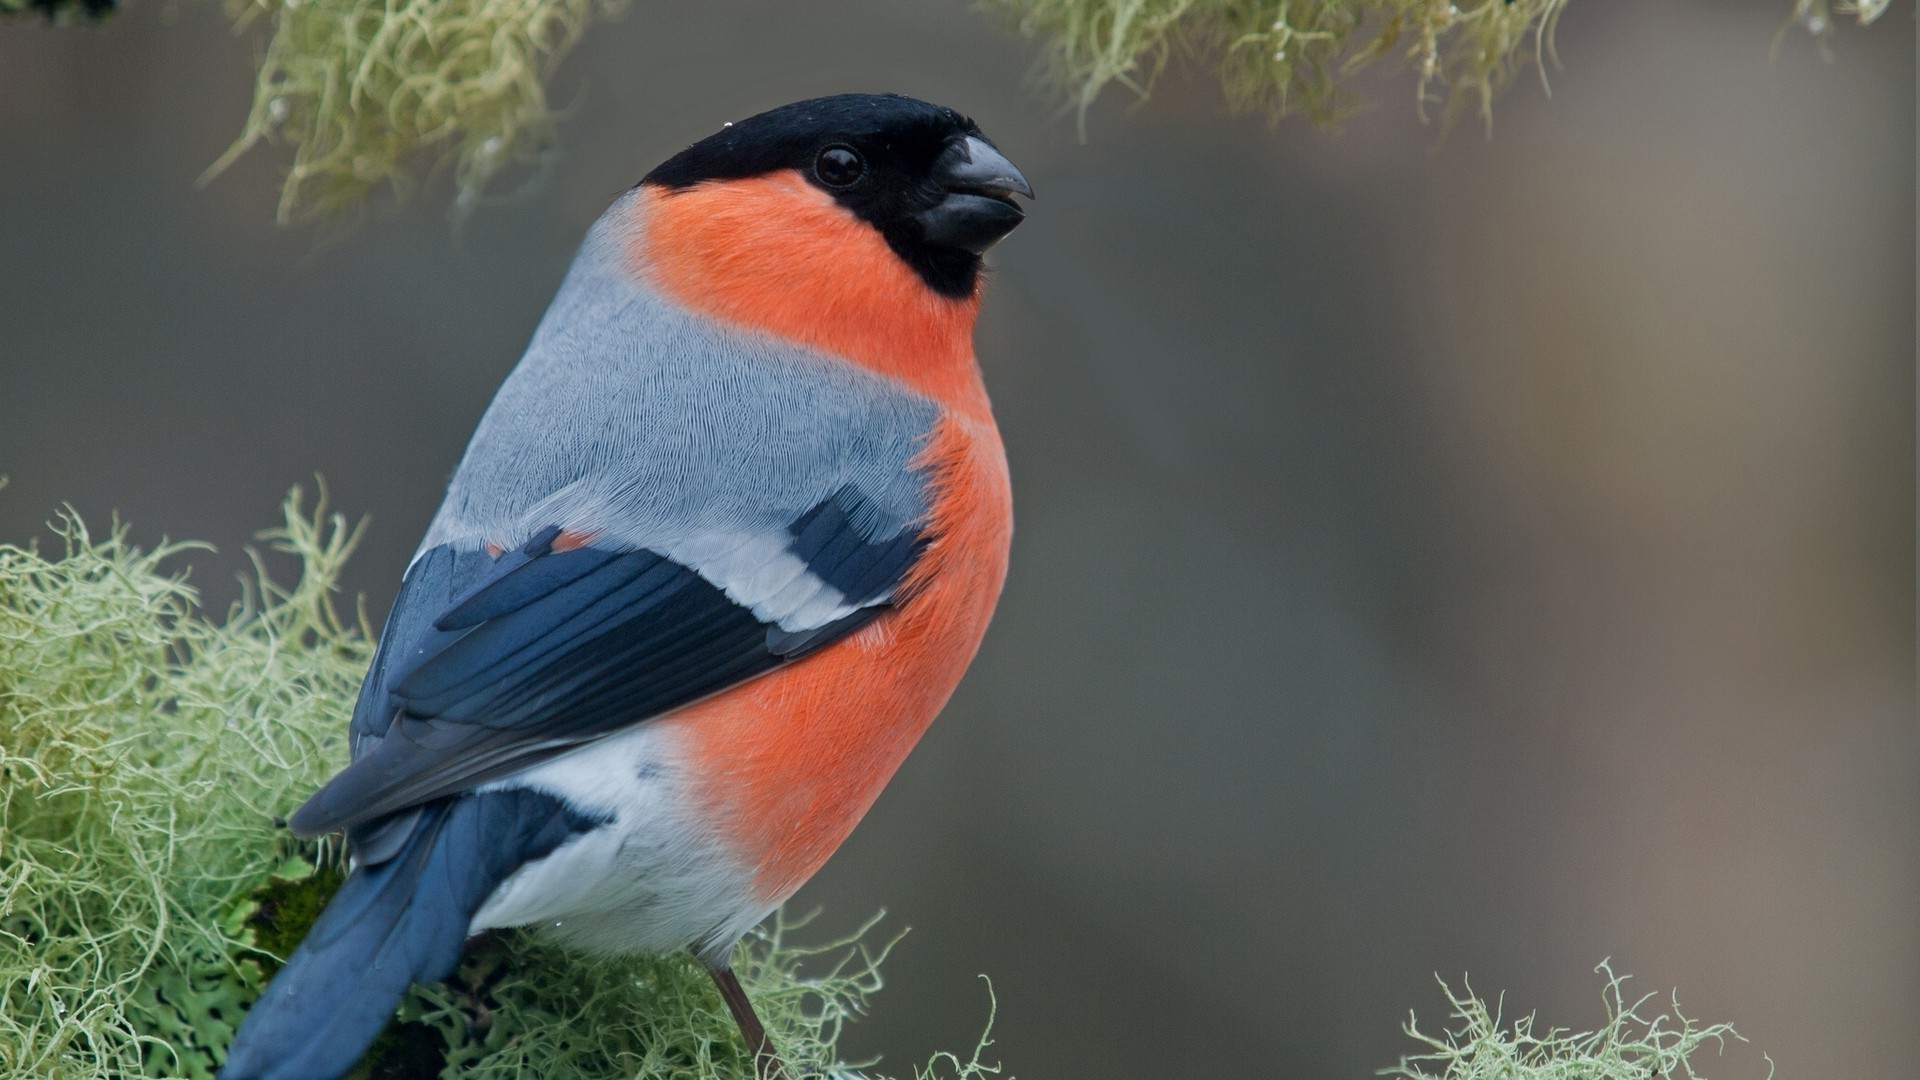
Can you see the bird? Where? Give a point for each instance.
(719, 550)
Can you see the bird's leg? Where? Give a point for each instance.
(766, 1063)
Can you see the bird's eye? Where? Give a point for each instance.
(839, 166)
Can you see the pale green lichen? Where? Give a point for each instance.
(1816, 16)
(145, 891)
(378, 93)
(373, 93)
(143, 754)
(1291, 56)
(1818, 19)
(1629, 1046)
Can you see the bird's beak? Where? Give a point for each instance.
(978, 209)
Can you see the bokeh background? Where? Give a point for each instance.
(1467, 555)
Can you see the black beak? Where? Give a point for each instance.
(978, 209)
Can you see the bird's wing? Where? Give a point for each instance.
(683, 508)
(558, 642)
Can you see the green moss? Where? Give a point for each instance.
(1481, 1046)
(285, 908)
(146, 893)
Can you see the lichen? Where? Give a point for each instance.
(1287, 57)
(146, 893)
(1817, 16)
(376, 93)
(1628, 1046)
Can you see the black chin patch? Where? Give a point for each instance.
(952, 272)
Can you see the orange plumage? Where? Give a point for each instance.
(777, 254)
(790, 763)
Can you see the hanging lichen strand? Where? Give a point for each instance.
(1288, 57)
(371, 93)
(1816, 17)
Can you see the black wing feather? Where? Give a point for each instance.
(489, 666)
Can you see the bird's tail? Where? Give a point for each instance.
(392, 925)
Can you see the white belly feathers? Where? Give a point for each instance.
(652, 880)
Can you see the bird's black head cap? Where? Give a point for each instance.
(922, 174)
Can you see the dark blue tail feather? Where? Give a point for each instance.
(392, 925)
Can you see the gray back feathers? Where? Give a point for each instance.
(635, 419)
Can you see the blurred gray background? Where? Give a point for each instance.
(1479, 555)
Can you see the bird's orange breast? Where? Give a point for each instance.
(786, 766)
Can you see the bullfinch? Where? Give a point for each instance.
(718, 552)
